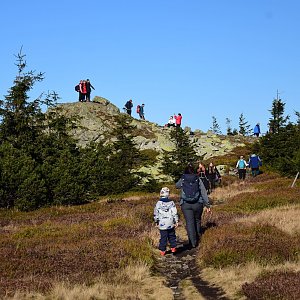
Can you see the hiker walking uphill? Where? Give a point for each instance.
(213, 176)
(256, 130)
(193, 199)
(128, 107)
(201, 173)
(140, 111)
(241, 165)
(166, 218)
(254, 163)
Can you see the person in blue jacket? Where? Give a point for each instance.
(254, 163)
(256, 130)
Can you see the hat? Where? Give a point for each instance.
(165, 192)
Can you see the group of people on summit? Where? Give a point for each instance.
(84, 88)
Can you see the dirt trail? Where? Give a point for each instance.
(181, 266)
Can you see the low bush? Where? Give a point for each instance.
(72, 244)
(274, 285)
(235, 244)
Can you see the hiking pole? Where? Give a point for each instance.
(295, 180)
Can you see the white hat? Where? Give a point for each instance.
(165, 192)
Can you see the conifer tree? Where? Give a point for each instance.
(32, 146)
(244, 127)
(228, 124)
(278, 120)
(176, 160)
(215, 126)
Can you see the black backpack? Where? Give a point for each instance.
(77, 88)
(190, 190)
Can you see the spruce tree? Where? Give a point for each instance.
(228, 124)
(32, 146)
(244, 127)
(176, 160)
(215, 126)
(278, 120)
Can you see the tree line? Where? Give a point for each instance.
(41, 164)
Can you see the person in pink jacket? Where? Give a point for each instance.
(178, 119)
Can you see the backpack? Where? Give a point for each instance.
(241, 164)
(77, 88)
(190, 188)
(138, 109)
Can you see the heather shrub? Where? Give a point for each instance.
(73, 244)
(234, 244)
(274, 285)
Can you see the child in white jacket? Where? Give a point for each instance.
(166, 218)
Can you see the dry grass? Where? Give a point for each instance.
(189, 290)
(134, 282)
(225, 193)
(232, 278)
(285, 218)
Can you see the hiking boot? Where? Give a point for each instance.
(162, 253)
(173, 250)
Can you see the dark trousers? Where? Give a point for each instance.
(254, 171)
(165, 236)
(242, 173)
(88, 96)
(192, 214)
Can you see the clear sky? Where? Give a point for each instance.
(200, 58)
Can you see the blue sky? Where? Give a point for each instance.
(200, 58)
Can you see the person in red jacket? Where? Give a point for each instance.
(178, 119)
(83, 90)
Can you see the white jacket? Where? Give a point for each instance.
(165, 213)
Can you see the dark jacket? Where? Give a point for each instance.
(203, 197)
(254, 161)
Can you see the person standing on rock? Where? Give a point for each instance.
(193, 199)
(82, 90)
(166, 219)
(141, 112)
(89, 88)
(178, 120)
(128, 107)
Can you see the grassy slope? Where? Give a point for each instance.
(105, 250)
(257, 232)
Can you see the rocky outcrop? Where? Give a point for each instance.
(97, 118)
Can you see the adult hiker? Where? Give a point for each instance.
(77, 89)
(82, 88)
(128, 107)
(193, 199)
(256, 130)
(213, 176)
(89, 88)
(201, 173)
(140, 111)
(254, 163)
(241, 165)
(171, 122)
(178, 119)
